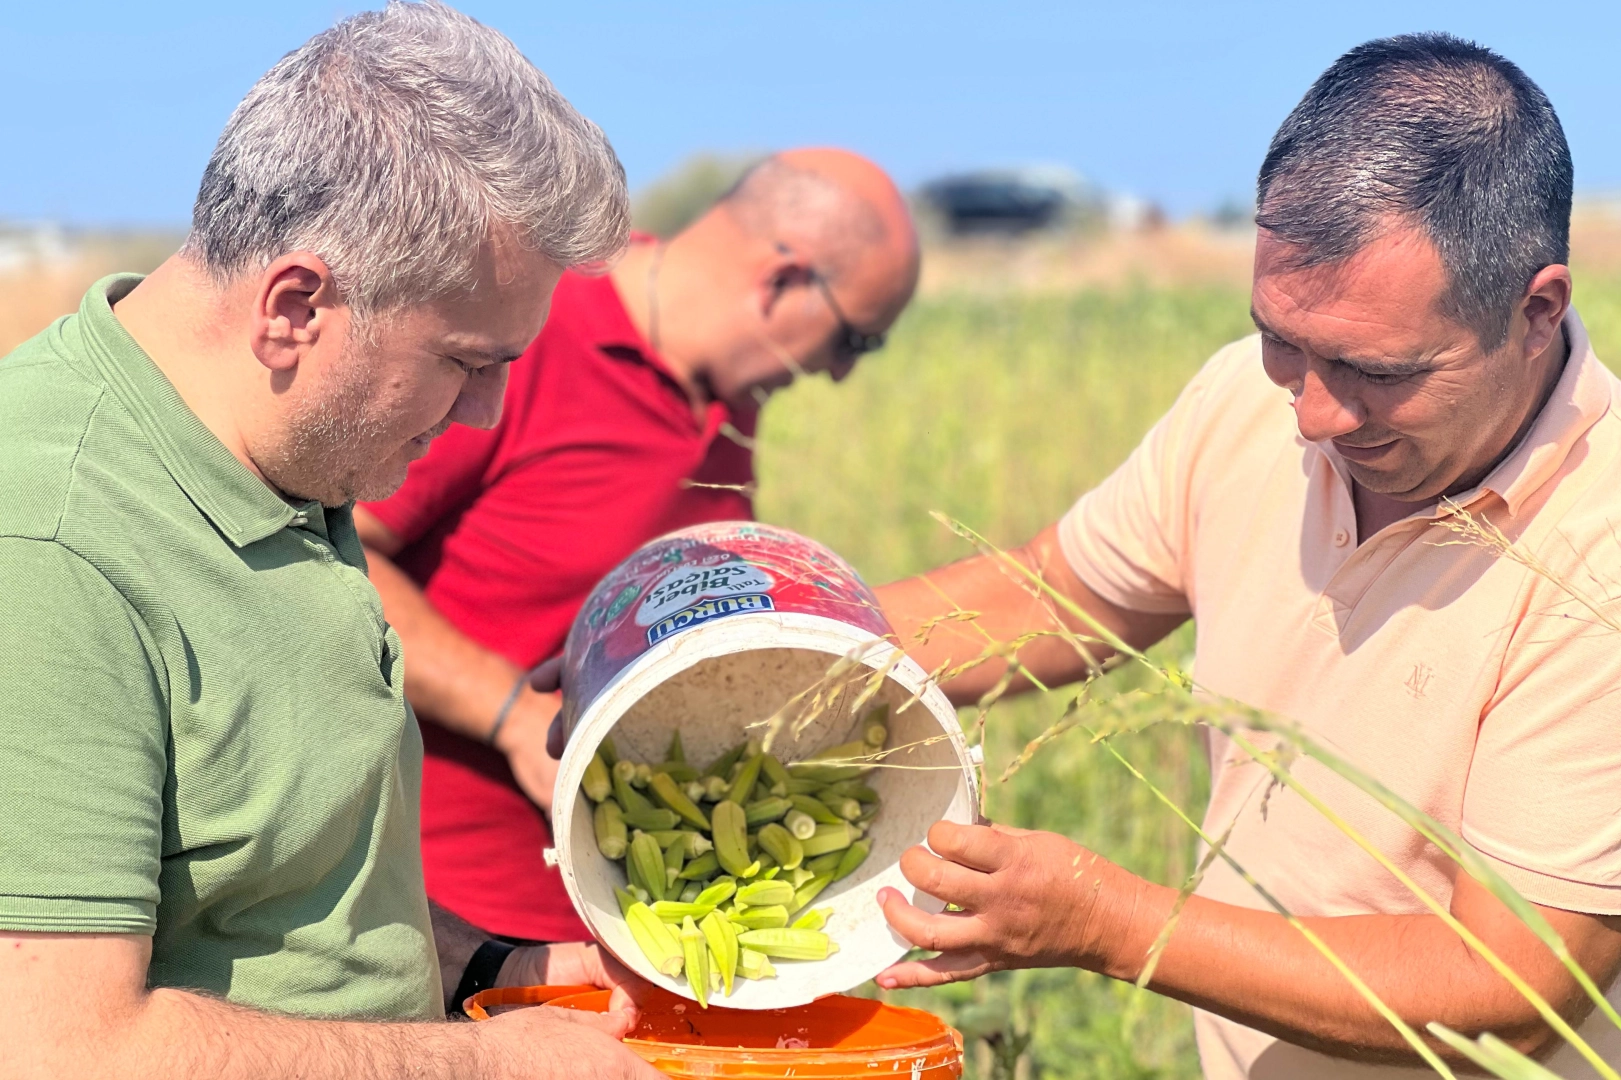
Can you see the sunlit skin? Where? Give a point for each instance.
(1405, 394)
(1418, 410)
(273, 365)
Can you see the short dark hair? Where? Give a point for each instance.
(1444, 134)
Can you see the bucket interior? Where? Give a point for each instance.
(714, 702)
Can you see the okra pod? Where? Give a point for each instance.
(775, 775)
(718, 893)
(811, 890)
(764, 894)
(760, 918)
(814, 919)
(789, 944)
(824, 864)
(782, 845)
(730, 824)
(608, 751)
(828, 838)
(753, 964)
(722, 766)
(695, 951)
(675, 910)
(690, 892)
(644, 773)
(723, 948)
(675, 857)
(626, 898)
(677, 751)
(679, 771)
(624, 773)
(715, 788)
(609, 825)
(701, 868)
(852, 789)
(800, 824)
(771, 809)
(645, 862)
(799, 875)
(744, 783)
(653, 819)
(815, 809)
(798, 786)
(597, 784)
(846, 809)
(853, 856)
(661, 947)
(668, 792)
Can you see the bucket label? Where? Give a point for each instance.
(685, 584)
(703, 612)
(695, 576)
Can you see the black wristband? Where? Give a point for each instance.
(481, 971)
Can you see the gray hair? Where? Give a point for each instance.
(395, 145)
(1434, 132)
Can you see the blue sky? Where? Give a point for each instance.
(113, 106)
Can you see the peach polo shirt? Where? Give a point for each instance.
(1479, 691)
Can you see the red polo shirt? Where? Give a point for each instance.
(507, 531)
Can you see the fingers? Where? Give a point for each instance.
(547, 676)
(940, 933)
(946, 880)
(555, 740)
(947, 967)
(976, 846)
(615, 1025)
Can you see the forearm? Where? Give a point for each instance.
(172, 1033)
(957, 614)
(1254, 967)
(450, 678)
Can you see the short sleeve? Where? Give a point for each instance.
(438, 484)
(83, 749)
(1128, 538)
(1543, 799)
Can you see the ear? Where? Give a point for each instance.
(1547, 299)
(783, 270)
(296, 302)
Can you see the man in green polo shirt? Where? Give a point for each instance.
(208, 772)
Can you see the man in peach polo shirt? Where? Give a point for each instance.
(1413, 304)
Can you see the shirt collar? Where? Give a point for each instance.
(1580, 397)
(240, 505)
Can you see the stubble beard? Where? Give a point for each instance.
(329, 447)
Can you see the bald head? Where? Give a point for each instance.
(841, 211)
(801, 268)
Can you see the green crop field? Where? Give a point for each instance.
(1000, 411)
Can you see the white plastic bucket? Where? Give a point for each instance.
(718, 627)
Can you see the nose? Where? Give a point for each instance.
(479, 403)
(1320, 413)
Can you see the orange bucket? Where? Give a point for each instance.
(833, 1038)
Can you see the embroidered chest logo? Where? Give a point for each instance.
(1419, 679)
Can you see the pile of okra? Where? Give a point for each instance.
(723, 863)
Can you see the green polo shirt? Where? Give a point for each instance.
(203, 735)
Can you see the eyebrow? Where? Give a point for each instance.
(1369, 365)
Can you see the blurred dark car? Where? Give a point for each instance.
(1006, 200)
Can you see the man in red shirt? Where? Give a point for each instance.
(632, 414)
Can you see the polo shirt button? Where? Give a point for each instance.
(1341, 538)
(300, 520)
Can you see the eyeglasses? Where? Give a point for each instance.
(852, 342)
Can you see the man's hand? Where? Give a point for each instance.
(523, 740)
(540, 1041)
(575, 964)
(1028, 899)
